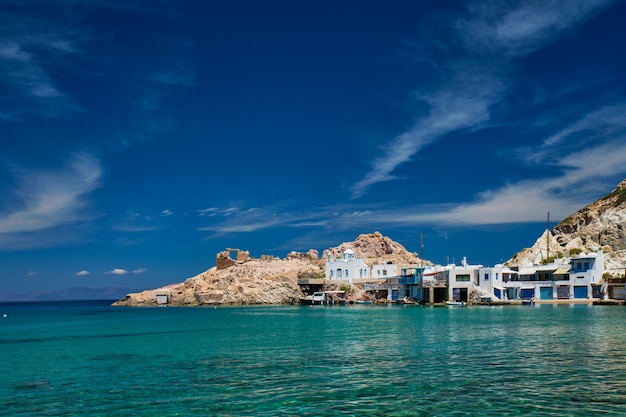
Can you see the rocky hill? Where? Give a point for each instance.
(238, 279)
(254, 281)
(599, 226)
(375, 248)
(545, 247)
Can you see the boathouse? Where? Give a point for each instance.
(577, 278)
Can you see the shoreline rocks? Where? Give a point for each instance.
(273, 281)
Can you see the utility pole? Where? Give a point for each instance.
(548, 238)
(422, 247)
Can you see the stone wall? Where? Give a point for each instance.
(224, 259)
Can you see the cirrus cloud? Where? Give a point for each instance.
(46, 199)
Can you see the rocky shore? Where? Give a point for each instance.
(238, 279)
(268, 281)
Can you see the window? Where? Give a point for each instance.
(497, 273)
(384, 272)
(486, 277)
(462, 278)
(346, 273)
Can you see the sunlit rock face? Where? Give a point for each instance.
(375, 248)
(254, 281)
(599, 226)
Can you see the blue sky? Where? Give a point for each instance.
(140, 138)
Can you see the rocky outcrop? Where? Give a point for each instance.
(254, 281)
(599, 226)
(375, 248)
(239, 279)
(544, 249)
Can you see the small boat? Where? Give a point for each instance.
(363, 302)
(528, 302)
(323, 298)
(317, 298)
(456, 303)
(408, 301)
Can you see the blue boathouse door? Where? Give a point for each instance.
(546, 293)
(528, 293)
(580, 292)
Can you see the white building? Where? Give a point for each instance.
(485, 282)
(491, 280)
(384, 270)
(348, 267)
(577, 279)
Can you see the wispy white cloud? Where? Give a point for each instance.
(604, 122)
(29, 47)
(117, 271)
(536, 23)
(237, 221)
(517, 28)
(139, 222)
(260, 218)
(120, 271)
(214, 211)
(475, 77)
(582, 176)
(32, 273)
(47, 199)
(460, 105)
(588, 148)
(82, 273)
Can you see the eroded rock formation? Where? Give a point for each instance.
(375, 248)
(599, 226)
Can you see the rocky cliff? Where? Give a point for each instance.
(599, 226)
(238, 279)
(375, 248)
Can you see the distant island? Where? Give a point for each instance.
(70, 294)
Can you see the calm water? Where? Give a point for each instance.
(86, 358)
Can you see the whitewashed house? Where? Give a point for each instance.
(461, 280)
(348, 267)
(585, 274)
(491, 280)
(384, 270)
(576, 278)
(393, 279)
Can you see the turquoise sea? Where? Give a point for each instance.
(90, 359)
